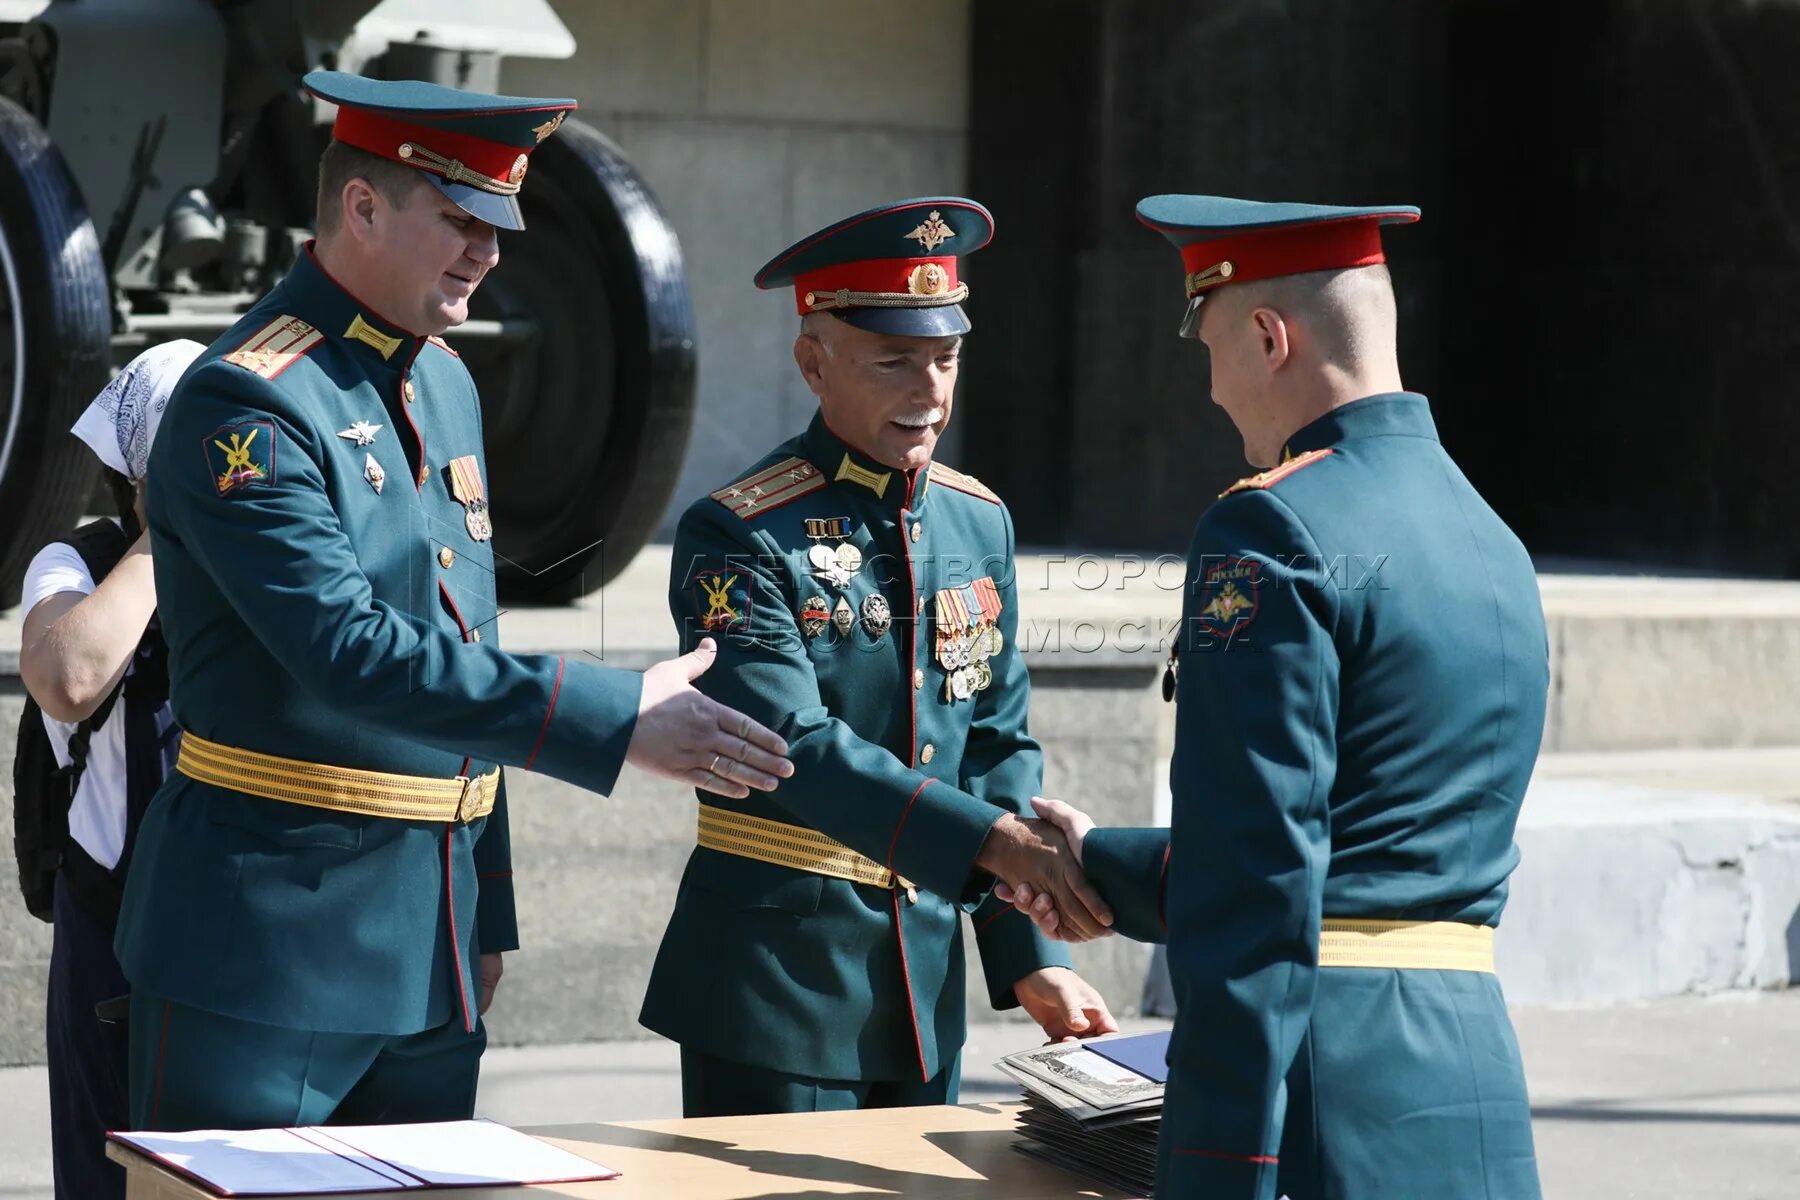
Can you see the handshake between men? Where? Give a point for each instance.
(1070, 920)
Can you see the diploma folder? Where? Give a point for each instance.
(350, 1159)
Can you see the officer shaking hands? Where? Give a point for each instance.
(321, 891)
(1362, 680)
(863, 597)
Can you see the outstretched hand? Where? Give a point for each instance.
(1035, 854)
(683, 734)
(1035, 902)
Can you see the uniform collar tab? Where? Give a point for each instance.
(335, 311)
(845, 465)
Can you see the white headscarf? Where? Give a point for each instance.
(121, 422)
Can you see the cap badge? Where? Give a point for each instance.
(928, 280)
(518, 170)
(548, 127)
(932, 232)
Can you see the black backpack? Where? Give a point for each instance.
(42, 790)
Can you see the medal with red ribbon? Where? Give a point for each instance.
(465, 485)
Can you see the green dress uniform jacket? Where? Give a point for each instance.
(325, 599)
(1363, 672)
(789, 970)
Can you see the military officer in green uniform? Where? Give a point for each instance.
(1362, 677)
(864, 600)
(321, 891)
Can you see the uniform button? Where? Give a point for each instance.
(928, 753)
(474, 635)
(918, 679)
(408, 391)
(446, 558)
(917, 530)
(920, 606)
(424, 473)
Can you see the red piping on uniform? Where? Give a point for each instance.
(496, 875)
(462, 988)
(904, 813)
(554, 691)
(162, 1051)
(994, 917)
(406, 411)
(1162, 890)
(906, 975)
(340, 287)
(1268, 1159)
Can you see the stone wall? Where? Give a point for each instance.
(756, 122)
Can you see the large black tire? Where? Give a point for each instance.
(587, 423)
(55, 343)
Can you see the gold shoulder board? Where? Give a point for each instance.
(770, 488)
(1275, 475)
(276, 347)
(963, 483)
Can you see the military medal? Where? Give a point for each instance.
(842, 616)
(360, 432)
(814, 616)
(373, 473)
(968, 637)
(465, 485)
(834, 565)
(876, 615)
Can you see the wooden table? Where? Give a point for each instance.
(946, 1153)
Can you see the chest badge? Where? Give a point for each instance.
(466, 486)
(876, 615)
(842, 616)
(373, 473)
(361, 432)
(814, 616)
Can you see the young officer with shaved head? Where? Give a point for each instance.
(1362, 681)
(321, 893)
(862, 595)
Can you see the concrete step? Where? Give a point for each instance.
(1646, 875)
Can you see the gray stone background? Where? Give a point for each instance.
(756, 122)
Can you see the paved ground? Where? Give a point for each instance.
(1673, 1100)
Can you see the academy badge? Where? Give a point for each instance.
(373, 473)
(722, 599)
(1229, 595)
(843, 616)
(241, 455)
(465, 485)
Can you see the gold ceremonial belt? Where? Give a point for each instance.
(340, 789)
(1418, 945)
(792, 846)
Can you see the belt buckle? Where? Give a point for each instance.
(471, 796)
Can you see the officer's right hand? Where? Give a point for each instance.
(682, 734)
(1037, 855)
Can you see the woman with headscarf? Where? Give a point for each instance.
(91, 656)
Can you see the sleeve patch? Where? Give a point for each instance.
(722, 598)
(240, 455)
(1229, 596)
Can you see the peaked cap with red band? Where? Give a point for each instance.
(473, 146)
(1224, 240)
(889, 270)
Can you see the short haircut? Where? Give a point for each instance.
(1349, 313)
(341, 163)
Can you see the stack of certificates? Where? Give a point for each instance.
(1095, 1107)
